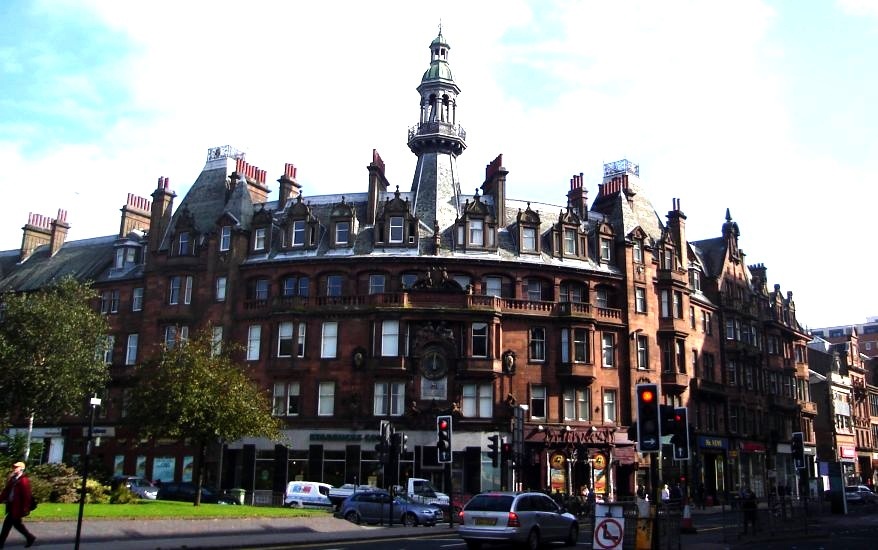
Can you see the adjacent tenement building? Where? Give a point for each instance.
(531, 320)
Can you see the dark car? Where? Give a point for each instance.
(531, 519)
(185, 492)
(141, 487)
(375, 507)
(860, 494)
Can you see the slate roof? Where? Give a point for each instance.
(86, 260)
(625, 215)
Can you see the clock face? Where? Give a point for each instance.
(433, 365)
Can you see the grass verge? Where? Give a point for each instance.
(164, 509)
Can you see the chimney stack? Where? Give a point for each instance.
(35, 233)
(254, 178)
(577, 197)
(495, 185)
(377, 186)
(289, 187)
(677, 225)
(160, 213)
(135, 215)
(59, 232)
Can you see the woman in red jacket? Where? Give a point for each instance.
(18, 498)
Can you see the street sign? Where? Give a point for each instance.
(608, 533)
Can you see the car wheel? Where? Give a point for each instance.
(473, 544)
(573, 535)
(352, 517)
(533, 540)
(409, 520)
(295, 504)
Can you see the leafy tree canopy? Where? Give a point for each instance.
(51, 344)
(197, 391)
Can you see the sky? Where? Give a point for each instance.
(765, 108)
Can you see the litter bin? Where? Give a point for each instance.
(238, 494)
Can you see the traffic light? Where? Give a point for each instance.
(680, 433)
(398, 443)
(667, 420)
(494, 449)
(648, 428)
(798, 447)
(443, 438)
(505, 452)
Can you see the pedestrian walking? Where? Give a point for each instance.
(749, 505)
(666, 493)
(19, 502)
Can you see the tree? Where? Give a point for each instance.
(51, 352)
(197, 391)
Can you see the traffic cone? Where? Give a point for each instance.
(686, 523)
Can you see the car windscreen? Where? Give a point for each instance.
(490, 503)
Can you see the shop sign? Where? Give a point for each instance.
(847, 451)
(752, 447)
(586, 437)
(718, 443)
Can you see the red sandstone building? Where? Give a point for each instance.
(533, 321)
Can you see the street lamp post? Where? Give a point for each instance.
(93, 404)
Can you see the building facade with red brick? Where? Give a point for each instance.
(528, 320)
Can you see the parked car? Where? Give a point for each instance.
(307, 494)
(860, 494)
(531, 519)
(374, 507)
(338, 494)
(185, 491)
(141, 487)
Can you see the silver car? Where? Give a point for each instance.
(529, 518)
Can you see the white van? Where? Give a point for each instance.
(307, 494)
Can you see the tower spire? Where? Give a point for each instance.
(437, 140)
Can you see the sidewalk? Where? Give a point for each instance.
(207, 533)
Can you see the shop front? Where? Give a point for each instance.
(752, 467)
(567, 460)
(847, 457)
(710, 471)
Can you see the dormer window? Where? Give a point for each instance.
(568, 238)
(395, 225)
(126, 255)
(667, 258)
(638, 251)
(476, 229)
(342, 232)
(570, 241)
(476, 232)
(342, 226)
(225, 240)
(300, 229)
(396, 228)
(529, 240)
(259, 239)
(606, 250)
(299, 233)
(183, 244)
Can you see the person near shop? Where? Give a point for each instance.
(19, 503)
(666, 494)
(748, 506)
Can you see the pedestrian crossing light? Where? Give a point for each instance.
(798, 448)
(680, 434)
(443, 438)
(648, 425)
(506, 452)
(494, 449)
